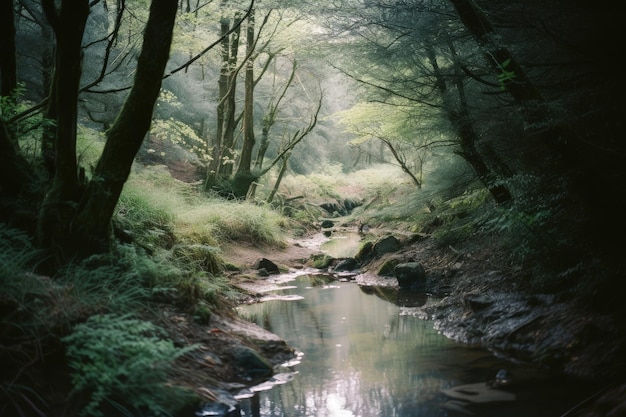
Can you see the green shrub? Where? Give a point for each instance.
(122, 363)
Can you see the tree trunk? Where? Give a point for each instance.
(215, 163)
(467, 135)
(89, 230)
(222, 155)
(279, 179)
(61, 201)
(14, 173)
(8, 64)
(245, 160)
(244, 178)
(228, 132)
(514, 80)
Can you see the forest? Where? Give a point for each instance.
(139, 139)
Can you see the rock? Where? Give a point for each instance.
(478, 302)
(365, 252)
(503, 379)
(387, 268)
(321, 260)
(269, 266)
(386, 244)
(251, 364)
(410, 276)
(220, 409)
(327, 224)
(348, 264)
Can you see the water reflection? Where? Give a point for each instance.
(341, 244)
(365, 353)
(361, 357)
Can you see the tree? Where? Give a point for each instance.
(75, 217)
(221, 164)
(8, 65)
(460, 118)
(414, 67)
(573, 116)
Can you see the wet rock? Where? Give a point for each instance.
(269, 266)
(348, 264)
(219, 409)
(503, 379)
(387, 268)
(365, 252)
(410, 276)
(478, 302)
(251, 364)
(370, 251)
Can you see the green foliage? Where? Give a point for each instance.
(25, 291)
(89, 145)
(123, 363)
(321, 260)
(27, 130)
(123, 280)
(505, 75)
(17, 255)
(223, 221)
(140, 213)
(181, 134)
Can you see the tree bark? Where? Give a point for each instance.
(14, 172)
(279, 179)
(245, 160)
(88, 229)
(215, 163)
(59, 207)
(127, 133)
(8, 62)
(228, 131)
(461, 120)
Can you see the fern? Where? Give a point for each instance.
(122, 362)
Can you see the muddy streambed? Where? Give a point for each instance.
(368, 352)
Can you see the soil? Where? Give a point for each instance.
(481, 302)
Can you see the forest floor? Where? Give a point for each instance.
(482, 302)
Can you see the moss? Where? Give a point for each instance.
(321, 260)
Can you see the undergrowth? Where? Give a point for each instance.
(119, 361)
(122, 364)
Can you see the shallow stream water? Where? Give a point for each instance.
(367, 353)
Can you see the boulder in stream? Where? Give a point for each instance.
(347, 264)
(410, 276)
(269, 266)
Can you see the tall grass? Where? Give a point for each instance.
(153, 204)
(227, 221)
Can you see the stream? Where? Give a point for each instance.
(367, 352)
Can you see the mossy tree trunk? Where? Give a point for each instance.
(80, 225)
(214, 165)
(245, 160)
(61, 202)
(221, 165)
(244, 177)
